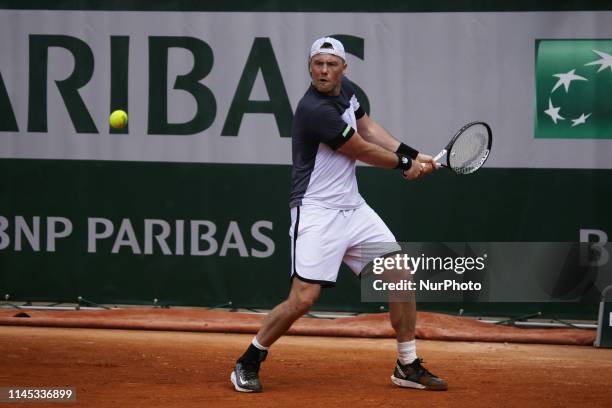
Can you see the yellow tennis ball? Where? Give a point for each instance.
(118, 119)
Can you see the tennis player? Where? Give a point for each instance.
(329, 218)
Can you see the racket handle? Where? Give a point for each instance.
(439, 155)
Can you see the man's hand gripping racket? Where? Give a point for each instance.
(468, 150)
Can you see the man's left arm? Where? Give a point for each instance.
(374, 133)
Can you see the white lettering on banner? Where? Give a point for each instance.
(92, 232)
(126, 237)
(233, 234)
(256, 233)
(208, 237)
(180, 230)
(204, 238)
(599, 247)
(158, 236)
(30, 229)
(32, 235)
(53, 233)
(5, 240)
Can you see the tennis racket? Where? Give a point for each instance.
(469, 149)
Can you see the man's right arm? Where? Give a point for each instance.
(359, 149)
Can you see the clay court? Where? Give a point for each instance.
(156, 368)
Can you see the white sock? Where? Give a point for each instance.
(406, 352)
(256, 344)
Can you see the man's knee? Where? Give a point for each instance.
(301, 306)
(303, 296)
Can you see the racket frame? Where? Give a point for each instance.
(455, 137)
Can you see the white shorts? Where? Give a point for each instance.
(323, 238)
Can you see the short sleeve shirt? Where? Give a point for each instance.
(321, 175)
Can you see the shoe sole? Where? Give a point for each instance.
(406, 384)
(237, 387)
(411, 384)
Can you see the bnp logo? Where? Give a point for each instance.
(573, 89)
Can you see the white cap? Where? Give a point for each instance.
(337, 48)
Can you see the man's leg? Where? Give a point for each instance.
(302, 296)
(408, 371)
(370, 239)
(403, 320)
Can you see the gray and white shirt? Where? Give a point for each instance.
(320, 175)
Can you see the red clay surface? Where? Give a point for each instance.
(132, 368)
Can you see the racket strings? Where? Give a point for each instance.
(470, 150)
